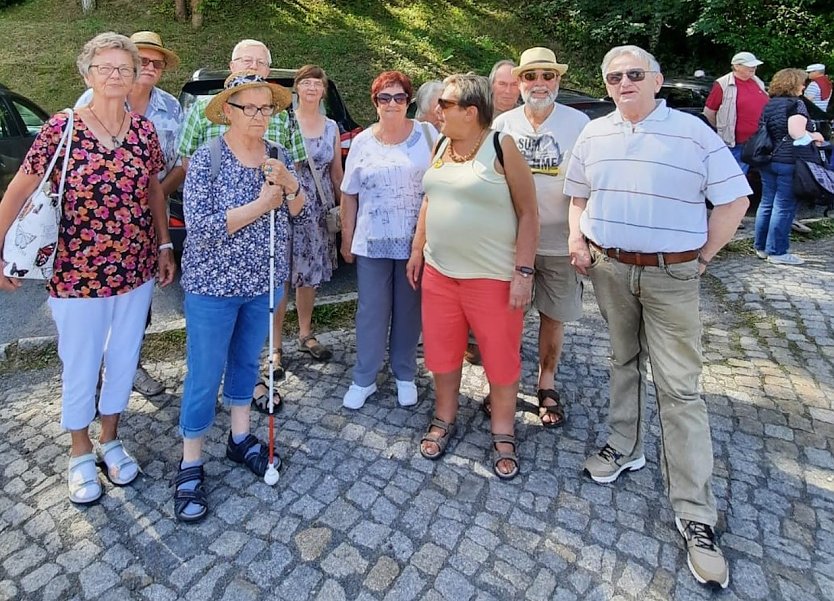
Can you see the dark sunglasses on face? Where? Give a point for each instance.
(545, 75)
(399, 98)
(158, 64)
(616, 77)
(445, 103)
(250, 110)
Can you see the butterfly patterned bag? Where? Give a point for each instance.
(30, 244)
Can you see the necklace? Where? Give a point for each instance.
(116, 142)
(467, 157)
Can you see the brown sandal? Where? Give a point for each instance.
(318, 351)
(498, 456)
(441, 441)
(555, 410)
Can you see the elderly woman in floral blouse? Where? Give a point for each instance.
(231, 189)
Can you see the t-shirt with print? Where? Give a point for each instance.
(388, 180)
(547, 151)
(106, 240)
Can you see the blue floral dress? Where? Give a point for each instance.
(313, 247)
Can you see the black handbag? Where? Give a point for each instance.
(758, 150)
(812, 180)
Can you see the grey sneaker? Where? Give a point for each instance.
(144, 384)
(761, 254)
(705, 559)
(786, 259)
(608, 464)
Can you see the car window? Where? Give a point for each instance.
(30, 118)
(5, 121)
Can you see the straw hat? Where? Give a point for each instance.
(244, 80)
(152, 41)
(539, 58)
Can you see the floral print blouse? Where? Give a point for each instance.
(106, 240)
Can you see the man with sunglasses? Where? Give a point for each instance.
(638, 179)
(151, 101)
(736, 102)
(545, 133)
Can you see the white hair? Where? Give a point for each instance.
(248, 44)
(424, 95)
(634, 51)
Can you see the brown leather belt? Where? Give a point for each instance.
(646, 259)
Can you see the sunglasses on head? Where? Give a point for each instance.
(399, 98)
(534, 75)
(616, 77)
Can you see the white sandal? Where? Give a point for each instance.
(121, 463)
(82, 479)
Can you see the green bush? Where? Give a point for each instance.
(7, 3)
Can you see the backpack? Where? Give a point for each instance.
(814, 181)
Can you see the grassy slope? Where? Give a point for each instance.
(353, 40)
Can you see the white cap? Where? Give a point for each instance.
(748, 59)
(815, 67)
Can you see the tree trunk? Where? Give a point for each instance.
(196, 14)
(87, 6)
(182, 9)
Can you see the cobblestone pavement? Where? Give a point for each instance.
(358, 514)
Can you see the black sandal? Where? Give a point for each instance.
(441, 441)
(486, 407)
(498, 456)
(260, 403)
(556, 410)
(197, 496)
(257, 462)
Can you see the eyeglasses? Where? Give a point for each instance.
(616, 77)
(310, 83)
(248, 61)
(107, 70)
(158, 64)
(399, 98)
(545, 75)
(250, 110)
(445, 103)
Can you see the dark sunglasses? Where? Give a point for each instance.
(445, 103)
(616, 77)
(399, 98)
(545, 75)
(158, 64)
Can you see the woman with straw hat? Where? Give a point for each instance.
(234, 184)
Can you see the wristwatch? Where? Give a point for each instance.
(292, 195)
(525, 271)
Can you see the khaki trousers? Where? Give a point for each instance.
(653, 314)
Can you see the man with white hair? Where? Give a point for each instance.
(545, 132)
(819, 90)
(639, 228)
(426, 101)
(504, 87)
(736, 102)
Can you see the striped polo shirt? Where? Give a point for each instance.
(646, 182)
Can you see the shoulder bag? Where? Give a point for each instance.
(31, 242)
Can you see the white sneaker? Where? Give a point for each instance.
(761, 254)
(786, 259)
(406, 393)
(356, 395)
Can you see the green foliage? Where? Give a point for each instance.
(5, 3)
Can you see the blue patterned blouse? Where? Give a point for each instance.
(214, 262)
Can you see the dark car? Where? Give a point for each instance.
(20, 121)
(687, 94)
(207, 82)
(593, 107)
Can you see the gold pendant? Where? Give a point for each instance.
(438, 163)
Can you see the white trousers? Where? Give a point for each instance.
(92, 330)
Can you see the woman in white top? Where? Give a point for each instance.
(381, 194)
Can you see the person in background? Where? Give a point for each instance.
(426, 101)
(786, 118)
(638, 180)
(112, 241)
(477, 230)
(505, 90)
(313, 247)
(818, 90)
(225, 275)
(197, 130)
(545, 133)
(381, 194)
(164, 111)
(735, 104)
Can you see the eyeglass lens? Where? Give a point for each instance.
(616, 77)
(250, 110)
(107, 70)
(534, 75)
(399, 98)
(158, 64)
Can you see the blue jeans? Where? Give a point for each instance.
(776, 209)
(224, 335)
(736, 152)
